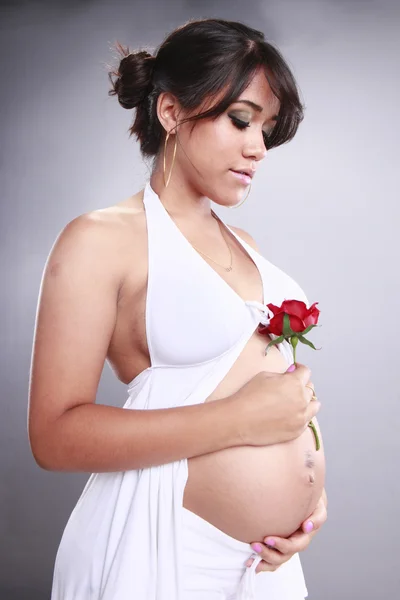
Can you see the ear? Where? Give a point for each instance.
(168, 109)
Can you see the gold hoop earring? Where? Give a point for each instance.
(173, 158)
(240, 204)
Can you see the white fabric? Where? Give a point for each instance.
(214, 567)
(123, 540)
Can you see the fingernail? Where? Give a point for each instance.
(291, 368)
(269, 542)
(256, 547)
(309, 526)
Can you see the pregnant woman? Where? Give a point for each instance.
(211, 452)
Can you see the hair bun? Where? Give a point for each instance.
(133, 78)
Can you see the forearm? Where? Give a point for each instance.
(97, 438)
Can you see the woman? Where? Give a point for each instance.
(211, 450)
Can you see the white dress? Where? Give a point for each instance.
(123, 538)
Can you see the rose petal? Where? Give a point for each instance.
(295, 307)
(296, 324)
(312, 316)
(275, 309)
(299, 315)
(263, 329)
(276, 324)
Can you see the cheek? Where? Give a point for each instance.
(212, 146)
(218, 142)
(226, 136)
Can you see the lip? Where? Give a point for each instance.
(246, 179)
(247, 170)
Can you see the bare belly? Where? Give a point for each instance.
(250, 492)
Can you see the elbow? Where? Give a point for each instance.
(42, 459)
(43, 463)
(42, 452)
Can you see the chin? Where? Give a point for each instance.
(226, 199)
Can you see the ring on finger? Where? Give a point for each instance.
(314, 397)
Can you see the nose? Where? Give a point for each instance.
(255, 149)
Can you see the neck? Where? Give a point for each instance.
(181, 199)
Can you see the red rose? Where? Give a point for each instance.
(300, 317)
(291, 321)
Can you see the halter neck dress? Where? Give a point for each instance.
(123, 540)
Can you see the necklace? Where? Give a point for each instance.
(229, 248)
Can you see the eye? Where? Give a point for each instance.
(243, 124)
(239, 123)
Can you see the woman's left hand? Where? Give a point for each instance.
(285, 548)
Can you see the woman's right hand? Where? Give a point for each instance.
(273, 408)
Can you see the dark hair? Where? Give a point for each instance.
(196, 62)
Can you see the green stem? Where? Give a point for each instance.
(294, 341)
(317, 442)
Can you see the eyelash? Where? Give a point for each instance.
(243, 124)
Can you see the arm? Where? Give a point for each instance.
(284, 549)
(76, 316)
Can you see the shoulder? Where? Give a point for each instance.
(99, 240)
(93, 231)
(245, 236)
(107, 227)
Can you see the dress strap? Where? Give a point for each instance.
(247, 585)
(266, 314)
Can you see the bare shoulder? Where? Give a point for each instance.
(77, 315)
(245, 236)
(107, 235)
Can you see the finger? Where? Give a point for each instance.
(309, 394)
(309, 526)
(262, 566)
(302, 372)
(272, 557)
(309, 390)
(312, 410)
(317, 518)
(297, 542)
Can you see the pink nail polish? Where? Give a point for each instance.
(309, 526)
(256, 547)
(270, 542)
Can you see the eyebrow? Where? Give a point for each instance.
(256, 107)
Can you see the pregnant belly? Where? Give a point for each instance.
(250, 492)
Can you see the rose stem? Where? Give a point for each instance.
(317, 442)
(294, 341)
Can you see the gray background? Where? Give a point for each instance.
(324, 208)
